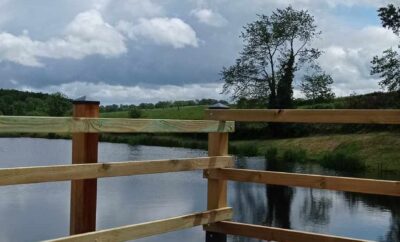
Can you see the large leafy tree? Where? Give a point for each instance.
(390, 17)
(387, 66)
(275, 47)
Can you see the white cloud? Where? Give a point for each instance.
(140, 8)
(162, 31)
(100, 4)
(131, 8)
(87, 34)
(322, 3)
(350, 3)
(108, 94)
(209, 17)
(19, 49)
(347, 56)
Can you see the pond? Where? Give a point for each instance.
(41, 211)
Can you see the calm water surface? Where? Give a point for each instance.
(41, 211)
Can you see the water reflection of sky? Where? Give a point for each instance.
(41, 211)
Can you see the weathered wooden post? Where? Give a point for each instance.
(217, 192)
(84, 192)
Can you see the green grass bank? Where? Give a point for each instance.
(378, 151)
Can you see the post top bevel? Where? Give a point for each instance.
(85, 102)
(82, 100)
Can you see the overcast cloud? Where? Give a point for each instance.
(132, 51)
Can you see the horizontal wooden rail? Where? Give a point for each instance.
(25, 175)
(368, 186)
(273, 234)
(142, 230)
(350, 116)
(21, 124)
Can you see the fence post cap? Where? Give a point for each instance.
(82, 100)
(218, 106)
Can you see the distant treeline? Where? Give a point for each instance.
(374, 100)
(13, 102)
(161, 104)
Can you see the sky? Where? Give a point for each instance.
(133, 51)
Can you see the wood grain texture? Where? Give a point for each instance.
(23, 124)
(84, 192)
(142, 230)
(26, 175)
(351, 116)
(273, 234)
(217, 189)
(369, 186)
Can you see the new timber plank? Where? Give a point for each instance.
(26, 175)
(24, 124)
(217, 189)
(273, 234)
(350, 116)
(369, 186)
(142, 230)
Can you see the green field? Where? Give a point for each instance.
(188, 112)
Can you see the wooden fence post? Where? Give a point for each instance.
(84, 192)
(217, 192)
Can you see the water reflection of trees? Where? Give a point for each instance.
(273, 208)
(316, 208)
(248, 201)
(384, 203)
(394, 232)
(279, 198)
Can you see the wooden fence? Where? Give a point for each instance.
(218, 169)
(342, 116)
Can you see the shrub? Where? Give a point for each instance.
(135, 113)
(342, 160)
(322, 106)
(271, 155)
(293, 156)
(247, 149)
(273, 163)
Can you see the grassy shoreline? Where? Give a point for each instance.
(379, 152)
